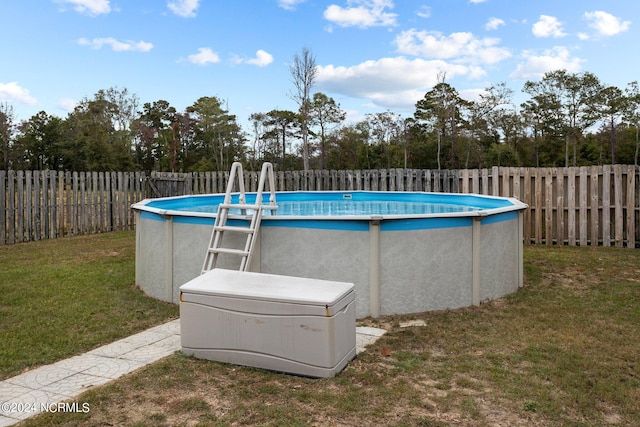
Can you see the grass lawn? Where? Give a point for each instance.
(562, 351)
(66, 296)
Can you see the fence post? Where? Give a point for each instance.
(631, 191)
(11, 207)
(3, 209)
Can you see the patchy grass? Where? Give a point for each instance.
(562, 351)
(65, 296)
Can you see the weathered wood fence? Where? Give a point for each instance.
(595, 205)
(48, 204)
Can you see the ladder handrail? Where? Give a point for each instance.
(232, 177)
(265, 173)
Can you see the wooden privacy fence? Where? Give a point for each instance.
(48, 204)
(594, 205)
(590, 205)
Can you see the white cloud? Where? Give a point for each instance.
(606, 24)
(204, 56)
(116, 46)
(548, 26)
(472, 94)
(67, 104)
(362, 14)
(13, 92)
(494, 23)
(536, 65)
(289, 4)
(390, 82)
(424, 12)
(262, 59)
(184, 8)
(89, 7)
(463, 46)
(477, 1)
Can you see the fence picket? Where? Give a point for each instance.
(548, 206)
(560, 224)
(583, 192)
(571, 206)
(28, 203)
(618, 213)
(594, 204)
(3, 207)
(528, 200)
(606, 205)
(20, 207)
(538, 206)
(36, 205)
(631, 207)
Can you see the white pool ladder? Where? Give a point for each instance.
(254, 218)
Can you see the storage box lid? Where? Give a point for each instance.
(268, 287)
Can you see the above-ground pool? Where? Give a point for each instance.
(405, 252)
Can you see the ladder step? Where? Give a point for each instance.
(245, 217)
(234, 228)
(229, 251)
(239, 206)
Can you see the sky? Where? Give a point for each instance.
(372, 55)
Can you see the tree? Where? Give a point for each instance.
(303, 75)
(632, 113)
(387, 131)
(575, 98)
(153, 134)
(440, 112)
(98, 130)
(491, 119)
(257, 149)
(217, 134)
(284, 124)
(39, 145)
(183, 155)
(613, 105)
(348, 146)
(542, 115)
(324, 112)
(124, 111)
(7, 117)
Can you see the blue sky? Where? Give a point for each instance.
(373, 55)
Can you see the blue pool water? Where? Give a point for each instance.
(344, 204)
(349, 208)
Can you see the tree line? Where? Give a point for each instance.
(569, 119)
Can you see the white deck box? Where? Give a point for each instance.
(288, 324)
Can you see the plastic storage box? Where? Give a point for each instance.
(288, 324)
